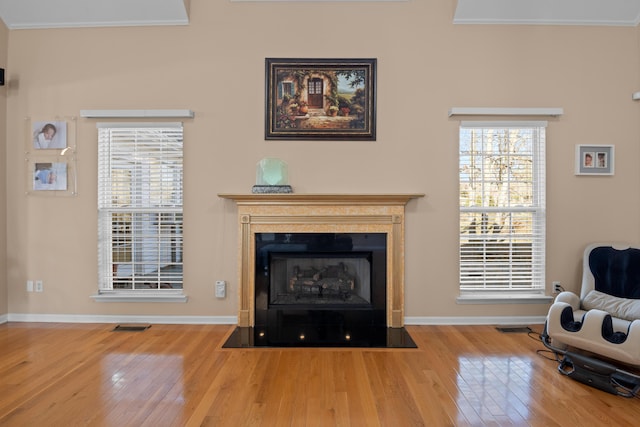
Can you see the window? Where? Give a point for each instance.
(140, 208)
(502, 209)
(286, 89)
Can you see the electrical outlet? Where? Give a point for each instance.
(221, 288)
(556, 287)
(29, 285)
(39, 286)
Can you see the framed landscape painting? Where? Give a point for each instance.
(322, 99)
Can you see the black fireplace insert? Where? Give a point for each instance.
(320, 289)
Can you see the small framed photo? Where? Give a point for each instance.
(50, 176)
(49, 135)
(594, 159)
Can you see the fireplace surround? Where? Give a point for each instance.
(349, 292)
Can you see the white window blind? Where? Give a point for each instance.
(140, 173)
(502, 208)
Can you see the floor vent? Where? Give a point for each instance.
(131, 328)
(514, 329)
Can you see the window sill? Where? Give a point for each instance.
(139, 297)
(504, 299)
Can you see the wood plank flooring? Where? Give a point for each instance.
(179, 375)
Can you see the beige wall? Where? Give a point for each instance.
(215, 66)
(4, 43)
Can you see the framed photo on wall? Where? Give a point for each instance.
(50, 176)
(594, 159)
(49, 135)
(321, 99)
(50, 150)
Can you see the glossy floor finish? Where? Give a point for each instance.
(179, 375)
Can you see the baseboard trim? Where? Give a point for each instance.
(233, 320)
(479, 320)
(119, 318)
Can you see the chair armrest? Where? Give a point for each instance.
(570, 298)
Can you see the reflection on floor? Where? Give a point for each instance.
(496, 386)
(181, 375)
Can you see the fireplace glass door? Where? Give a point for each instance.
(320, 278)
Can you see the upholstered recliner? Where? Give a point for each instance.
(597, 335)
(605, 318)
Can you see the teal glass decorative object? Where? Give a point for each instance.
(272, 176)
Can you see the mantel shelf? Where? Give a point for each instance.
(315, 199)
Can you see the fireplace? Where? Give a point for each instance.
(320, 270)
(320, 288)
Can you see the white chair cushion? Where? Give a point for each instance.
(623, 308)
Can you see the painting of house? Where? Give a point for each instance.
(320, 100)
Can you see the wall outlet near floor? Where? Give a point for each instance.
(221, 288)
(557, 288)
(29, 285)
(39, 286)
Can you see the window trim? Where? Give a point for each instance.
(105, 295)
(137, 295)
(510, 296)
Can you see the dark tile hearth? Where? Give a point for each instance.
(373, 337)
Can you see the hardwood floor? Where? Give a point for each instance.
(178, 375)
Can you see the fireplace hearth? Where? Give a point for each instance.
(321, 270)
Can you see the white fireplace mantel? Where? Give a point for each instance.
(321, 213)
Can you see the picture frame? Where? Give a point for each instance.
(320, 99)
(49, 135)
(49, 176)
(595, 160)
(51, 159)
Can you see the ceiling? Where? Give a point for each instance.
(548, 12)
(27, 14)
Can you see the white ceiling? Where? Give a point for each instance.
(553, 12)
(20, 14)
(25, 14)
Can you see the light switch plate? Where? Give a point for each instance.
(221, 288)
